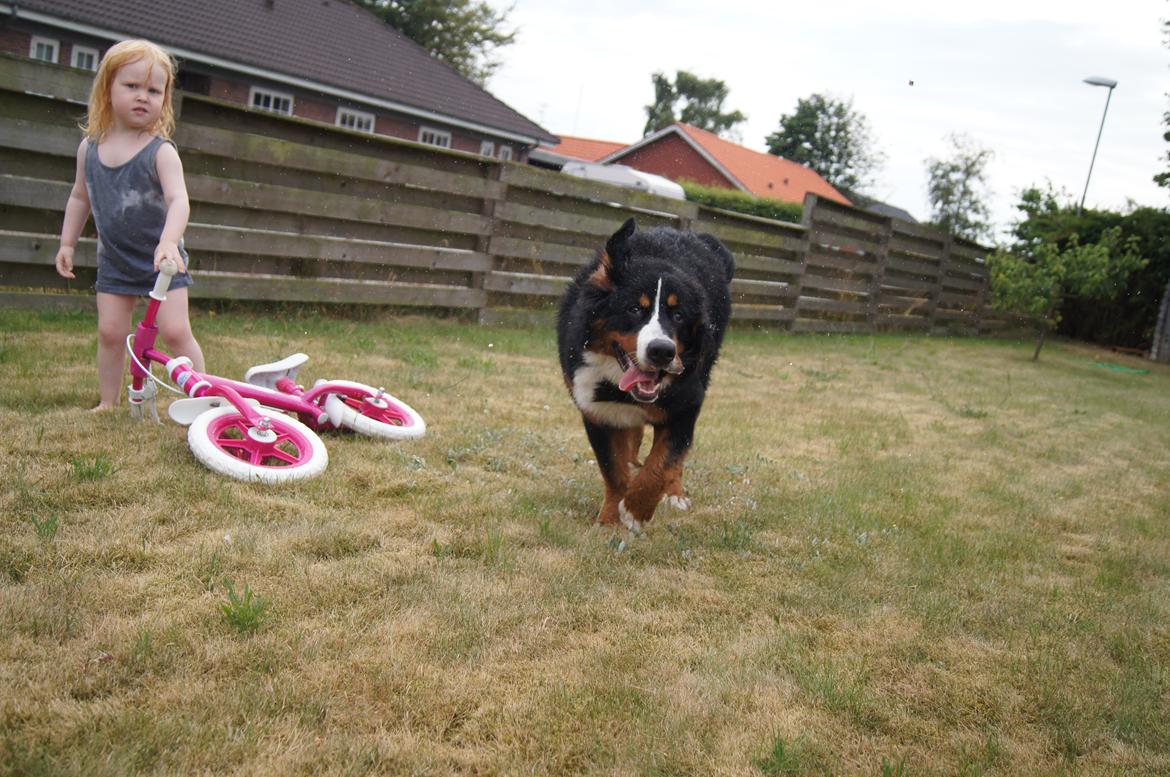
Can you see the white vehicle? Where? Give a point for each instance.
(621, 175)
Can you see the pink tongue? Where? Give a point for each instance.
(634, 375)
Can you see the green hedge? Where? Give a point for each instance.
(740, 202)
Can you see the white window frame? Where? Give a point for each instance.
(79, 51)
(487, 148)
(434, 137)
(506, 153)
(273, 96)
(51, 43)
(359, 121)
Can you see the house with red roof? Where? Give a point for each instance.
(682, 152)
(323, 60)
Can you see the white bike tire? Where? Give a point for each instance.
(353, 419)
(312, 458)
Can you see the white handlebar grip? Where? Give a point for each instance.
(166, 270)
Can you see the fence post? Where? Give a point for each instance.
(1160, 349)
(936, 292)
(807, 219)
(483, 243)
(879, 276)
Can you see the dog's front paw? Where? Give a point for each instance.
(682, 503)
(628, 519)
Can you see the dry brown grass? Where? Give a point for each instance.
(907, 556)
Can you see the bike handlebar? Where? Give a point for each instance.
(166, 270)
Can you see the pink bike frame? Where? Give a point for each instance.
(290, 397)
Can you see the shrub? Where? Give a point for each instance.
(741, 202)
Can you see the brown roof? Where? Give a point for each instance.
(763, 175)
(330, 43)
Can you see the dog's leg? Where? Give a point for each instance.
(662, 470)
(614, 448)
(673, 493)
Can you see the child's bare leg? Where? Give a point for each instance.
(175, 327)
(114, 315)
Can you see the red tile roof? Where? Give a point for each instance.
(332, 43)
(757, 173)
(585, 149)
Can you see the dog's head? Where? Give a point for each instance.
(650, 308)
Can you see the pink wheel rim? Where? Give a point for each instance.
(385, 413)
(288, 448)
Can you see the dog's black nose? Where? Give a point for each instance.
(660, 352)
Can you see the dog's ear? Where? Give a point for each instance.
(721, 251)
(617, 250)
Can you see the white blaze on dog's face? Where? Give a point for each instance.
(652, 335)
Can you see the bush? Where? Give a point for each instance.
(740, 202)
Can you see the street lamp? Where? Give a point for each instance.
(1110, 84)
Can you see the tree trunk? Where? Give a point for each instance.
(1040, 343)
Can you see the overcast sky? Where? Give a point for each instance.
(1007, 73)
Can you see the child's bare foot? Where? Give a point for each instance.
(101, 407)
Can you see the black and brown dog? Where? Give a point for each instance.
(639, 330)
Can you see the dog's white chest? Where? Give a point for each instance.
(600, 368)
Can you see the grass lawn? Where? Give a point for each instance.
(906, 556)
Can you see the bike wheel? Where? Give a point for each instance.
(363, 410)
(224, 441)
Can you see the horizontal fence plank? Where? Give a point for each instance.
(282, 288)
(825, 305)
(527, 284)
(761, 313)
(569, 186)
(810, 281)
(286, 154)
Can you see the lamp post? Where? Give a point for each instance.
(1109, 83)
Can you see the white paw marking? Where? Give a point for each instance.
(682, 503)
(628, 519)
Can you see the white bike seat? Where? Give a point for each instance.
(266, 375)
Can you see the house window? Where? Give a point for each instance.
(273, 102)
(44, 49)
(506, 153)
(434, 137)
(487, 148)
(85, 58)
(355, 120)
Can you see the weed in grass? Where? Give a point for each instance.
(246, 613)
(15, 561)
(209, 568)
(90, 469)
(783, 758)
(46, 528)
(735, 536)
(143, 648)
(894, 768)
(493, 549)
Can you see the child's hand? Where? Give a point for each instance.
(168, 250)
(64, 262)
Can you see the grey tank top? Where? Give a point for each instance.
(129, 212)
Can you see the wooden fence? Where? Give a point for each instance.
(290, 210)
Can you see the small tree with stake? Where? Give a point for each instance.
(1031, 280)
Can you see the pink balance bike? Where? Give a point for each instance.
(250, 430)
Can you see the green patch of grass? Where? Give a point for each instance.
(246, 612)
(90, 469)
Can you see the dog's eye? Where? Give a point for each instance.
(635, 310)
(677, 316)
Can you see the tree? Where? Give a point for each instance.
(957, 189)
(1128, 318)
(702, 104)
(832, 138)
(1163, 178)
(462, 33)
(1035, 276)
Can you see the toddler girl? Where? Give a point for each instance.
(130, 177)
